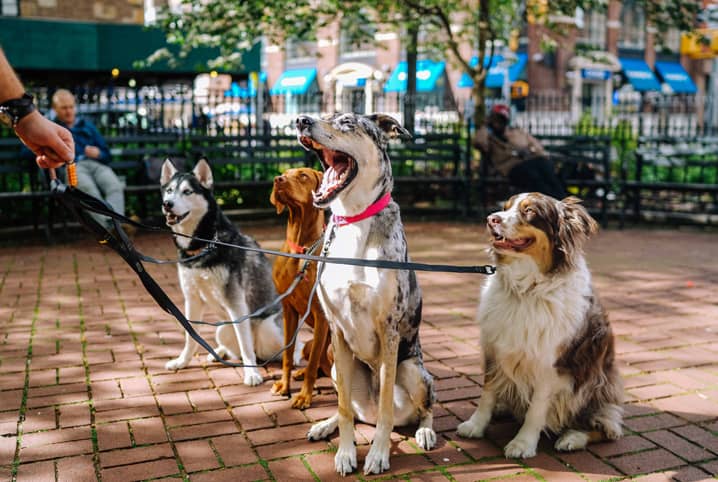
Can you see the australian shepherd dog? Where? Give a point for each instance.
(546, 340)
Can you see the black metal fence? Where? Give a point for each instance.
(147, 123)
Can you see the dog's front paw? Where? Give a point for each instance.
(323, 429)
(377, 460)
(252, 378)
(425, 438)
(520, 448)
(572, 440)
(470, 429)
(221, 351)
(302, 400)
(345, 461)
(177, 364)
(280, 387)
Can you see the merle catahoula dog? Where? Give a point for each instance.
(233, 280)
(374, 314)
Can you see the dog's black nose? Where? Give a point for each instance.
(494, 220)
(167, 204)
(304, 121)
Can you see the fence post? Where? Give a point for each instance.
(468, 182)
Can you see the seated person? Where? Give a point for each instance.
(92, 156)
(517, 155)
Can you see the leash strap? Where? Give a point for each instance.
(73, 199)
(95, 205)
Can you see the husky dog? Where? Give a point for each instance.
(237, 281)
(374, 314)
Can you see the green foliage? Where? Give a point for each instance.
(446, 25)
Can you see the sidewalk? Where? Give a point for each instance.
(84, 395)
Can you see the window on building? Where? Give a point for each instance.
(299, 51)
(10, 8)
(669, 41)
(356, 41)
(594, 30)
(632, 34)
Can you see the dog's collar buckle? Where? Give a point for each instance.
(372, 210)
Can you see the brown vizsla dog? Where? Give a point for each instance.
(293, 190)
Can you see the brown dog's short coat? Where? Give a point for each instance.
(293, 191)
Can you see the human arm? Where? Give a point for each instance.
(97, 147)
(535, 147)
(51, 143)
(481, 139)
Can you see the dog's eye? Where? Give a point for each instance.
(168, 190)
(187, 192)
(528, 211)
(303, 177)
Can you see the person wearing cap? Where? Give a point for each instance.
(516, 154)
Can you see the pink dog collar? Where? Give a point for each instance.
(373, 209)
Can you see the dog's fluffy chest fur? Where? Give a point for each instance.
(210, 283)
(522, 313)
(358, 298)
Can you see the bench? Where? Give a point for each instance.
(582, 163)
(672, 179)
(431, 173)
(135, 159)
(23, 195)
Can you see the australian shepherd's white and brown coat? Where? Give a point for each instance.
(547, 343)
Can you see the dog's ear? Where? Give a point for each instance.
(390, 126)
(276, 203)
(168, 170)
(203, 173)
(577, 218)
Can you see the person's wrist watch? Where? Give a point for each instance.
(11, 111)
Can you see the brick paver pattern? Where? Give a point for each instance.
(85, 396)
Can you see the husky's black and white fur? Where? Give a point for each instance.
(234, 280)
(374, 314)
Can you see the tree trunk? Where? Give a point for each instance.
(480, 73)
(410, 94)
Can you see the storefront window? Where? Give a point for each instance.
(9, 8)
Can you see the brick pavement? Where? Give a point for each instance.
(84, 395)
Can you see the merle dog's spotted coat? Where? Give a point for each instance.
(374, 314)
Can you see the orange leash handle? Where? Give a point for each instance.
(72, 174)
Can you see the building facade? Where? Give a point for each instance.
(597, 59)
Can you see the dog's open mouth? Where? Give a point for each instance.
(339, 170)
(516, 244)
(171, 218)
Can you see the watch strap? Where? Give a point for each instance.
(18, 108)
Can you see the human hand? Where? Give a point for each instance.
(52, 144)
(92, 152)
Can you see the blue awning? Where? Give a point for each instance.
(295, 81)
(428, 74)
(495, 76)
(640, 75)
(244, 91)
(676, 76)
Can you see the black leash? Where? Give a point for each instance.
(75, 201)
(95, 205)
(79, 202)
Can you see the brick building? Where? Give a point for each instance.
(596, 55)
